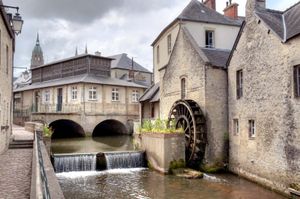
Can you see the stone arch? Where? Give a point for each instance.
(110, 128)
(66, 129)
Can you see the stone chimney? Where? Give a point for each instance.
(231, 10)
(252, 5)
(210, 3)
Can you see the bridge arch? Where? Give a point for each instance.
(64, 128)
(110, 128)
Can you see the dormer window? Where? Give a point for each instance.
(209, 39)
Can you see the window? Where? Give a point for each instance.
(236, 126)
(297, 80)
(209, 39)
(92, 93)
(47, 96)
(183, 88)
(157, 54)
(169, 44)
(7, 59)
(251, 128)
(239, 84)
(74, 93)
(115, 94)
(135, 96)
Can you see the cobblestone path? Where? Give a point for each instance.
(15, 169)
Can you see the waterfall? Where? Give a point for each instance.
(74, 162)
(124, 160)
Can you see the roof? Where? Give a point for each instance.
(87, 78)
(198, 12)
(71, 58)
(122, 61)
(151, 94)
(285, 24)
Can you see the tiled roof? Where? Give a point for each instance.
(285, 24)
(151, 94)
(80, 79)
(122, 61)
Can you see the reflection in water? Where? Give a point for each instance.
(92, 145)
(142, 183)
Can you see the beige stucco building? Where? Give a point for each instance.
(263, 97)
(6, 70)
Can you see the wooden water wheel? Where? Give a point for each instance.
(186, 114)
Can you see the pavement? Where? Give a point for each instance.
(15, 168)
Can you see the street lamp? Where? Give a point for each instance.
(16, 21)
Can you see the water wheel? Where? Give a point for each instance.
(186, 114)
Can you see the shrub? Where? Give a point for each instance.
(159, 126)
(47, 132)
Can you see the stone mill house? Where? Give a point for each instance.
(235, 83)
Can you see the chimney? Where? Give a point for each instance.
(251, 5)
(261, 3)
(97, 53)
(210, 3)
(231, 10)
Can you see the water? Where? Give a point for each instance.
(144, 184)
(92, 145)
(78, 162)
(125, 160)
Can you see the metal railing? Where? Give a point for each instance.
(44, 181)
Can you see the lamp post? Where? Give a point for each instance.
(16, 21)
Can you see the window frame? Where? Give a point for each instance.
(135, 96)
(252, 128)
(7, 59)
(209, 39)
(297, 81)
(47, 96)
(169, 43)
(239, 83)
(157, 55)
(115, 96)
(74, 93)
(183, 92)
(236, 126)
(92, 93)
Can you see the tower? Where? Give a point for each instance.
(37, 58)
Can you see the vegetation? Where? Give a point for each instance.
(159, 126)
(47, 132)
(176, 164)
(215, 168)
(295, 186)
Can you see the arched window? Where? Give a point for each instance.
(183, 88)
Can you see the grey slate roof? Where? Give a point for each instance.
(122, 61)
(151, 94)
(87, 78)
(216, 57)
(198, 12)
(285, 24)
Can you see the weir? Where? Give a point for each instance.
(74, 162)
(118, 160)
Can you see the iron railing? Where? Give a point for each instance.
(44, 181)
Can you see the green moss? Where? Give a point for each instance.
(295, 186)
(159, 126)
(176, 164)
(215, 168)
(149, 165)
(47, 132)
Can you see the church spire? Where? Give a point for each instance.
(37, 58)
(76, 51)
(38, 39)
(86, 50)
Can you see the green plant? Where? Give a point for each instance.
(159, 126)
(176, 164)
(47, 131)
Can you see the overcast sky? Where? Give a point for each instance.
(108, 26)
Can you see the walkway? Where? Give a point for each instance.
(15, 168)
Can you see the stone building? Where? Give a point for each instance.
(79, 90)
(7, 46)
(263, 97)
(190, 57)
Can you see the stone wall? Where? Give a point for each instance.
(273, 156)
(205, 85)
(6, 70)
